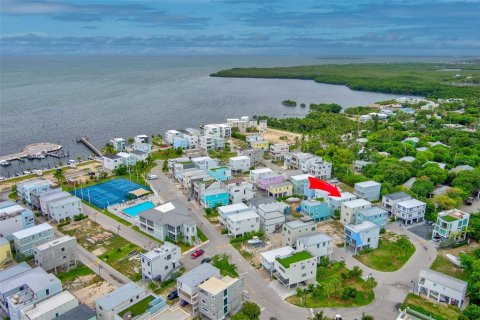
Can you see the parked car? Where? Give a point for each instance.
(172, 295)
(197, 253)
(437, 239)
(206, 260)
(152, 177)
(428, 223)
(469, 201)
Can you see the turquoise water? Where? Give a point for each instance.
(133, 211)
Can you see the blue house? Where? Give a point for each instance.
(26, 189)
(180, 142)
(317, 210)
(220, 173)
(376, 215)
(214, 198)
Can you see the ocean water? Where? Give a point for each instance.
(57, 99)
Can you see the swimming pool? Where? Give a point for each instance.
(133, 211)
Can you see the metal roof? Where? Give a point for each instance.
(119, 296)
(32, 230)
(199, 274)
(444, 280)
(314, 239)
(397, 195)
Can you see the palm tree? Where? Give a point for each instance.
(59, 175)
(318, 316)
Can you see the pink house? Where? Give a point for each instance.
(270, 178)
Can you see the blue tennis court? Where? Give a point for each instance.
(111, 192)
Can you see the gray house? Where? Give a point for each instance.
(24, 240)
(368, 190)
(389, 201)
(161, 263)
(108, 305)
(220, 297)
(61, 252)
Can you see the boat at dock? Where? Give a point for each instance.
(4, 163)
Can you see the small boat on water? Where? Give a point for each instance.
(4, 163)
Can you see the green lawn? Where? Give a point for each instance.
(434, 310)
(392, 253)
(138, 308)
(443, 265)
(333, 280)
(72, 274)
(201, 235)
(299, 256)
(222, 262)
(107, 213)
(136, 228)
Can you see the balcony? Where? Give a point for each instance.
(284, 281)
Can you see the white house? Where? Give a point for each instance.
(362, 236)
(110, 304)
(47, 197)
(278, 151)
(51, 308)
(161, 263)
(112, 161)
(272, 216)
(244, 222)
(239, 190)
(295, 229)
(268, 257)
(369, 190)
(170, 135)
(225, 211)
(61, 252)
(64, 208)
(319, 245)
(336, 202)
(389, 201)
(239, 164)
(410, 211)
(350, 208)
(119, 144)
(255, 174)
(24, 240)
(299, 267)
(442, 288)
(220, 297)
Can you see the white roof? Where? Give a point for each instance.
(365, 225)
(55, 242)
(412, 203)
(356, 203)
(165, 207)
(271, 255)
(33, 230)
(261, 170)
(124, 154)
(367, 184)
(234, 207)
(314, 239)
(50, 304)
(246, 215)
(12, 209)
(443, 280)
(301, 177)
(238, 158)
(343, 195)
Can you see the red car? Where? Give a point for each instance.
(197, 253)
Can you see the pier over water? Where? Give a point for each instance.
(32, 149)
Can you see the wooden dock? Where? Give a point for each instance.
(90, 146)
(33, 149)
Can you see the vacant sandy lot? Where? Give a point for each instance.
(273, 135)
(333, 228)
(90, 294)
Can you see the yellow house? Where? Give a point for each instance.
(260, 145)
(5, 251)
(280, 189)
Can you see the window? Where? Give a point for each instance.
(166, 267)
(304, 275)
(63, 249)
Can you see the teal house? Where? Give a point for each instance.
(374, 214)
(317, 210)
(214, 198)
(220, 173)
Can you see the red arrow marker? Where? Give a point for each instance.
(325, 186)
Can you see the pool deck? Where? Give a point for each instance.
(117, 209)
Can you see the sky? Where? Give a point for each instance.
(236, 27)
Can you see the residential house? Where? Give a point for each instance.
(35, 198)
(281, 189)
(111, 161)
(317, 210)
(278, 151)
(211, 142)
(318, 245)
(295, 229)
(142, 143)
(461, 168)
(336, 202)
(296, 160)
(301, 266)
(50, 308)
(319, 168)
(362, 236)
(214, 198)
(204, 163)
(24, 240)
(268, 257)
(369, 190)
(300, 183)
(408, 159)
(272, 215)
(64, 208)
(239, 190)
(161, 263)
(46, 197)
(138, 156)
(5, 250)
(239, 164)
(170, 136)
(410, 211)
(127, 158)
(373, 214)
(441, 287)
(220, 173)
(257, 173)
(169, 221)
(264, 181)
(58, 253)
(27, 188)
(119, 144)
(188, 284)
(350, 208)
(13, 218)
(21, 287)
(260, 145)
(389, 201)
(256, 156)
(451, 224)
(225, 130)
(111, 303)
(358, 165)
(253, 138)
(241, 223)
(220, 297)
(225, 211)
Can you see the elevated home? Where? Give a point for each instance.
(362, 236)
(65, 208)
(389, 201)
(336, 202)
(36, 196)
(51, 308)
(272, 215)
(239, 164)
(169, 221)
(358, 165)
(142, 143)
(161, 263)
(299, 267)
(170, 136)
(119, 144)
(51, 195)
(109, 305)
(21, 287)
(282, 189)
(268, 257)
(260, 145)
(239, 190)
(253, 138)
(264, 181)
(278, 151)
(214, 198)
(13, 218)
(318, 245)
(257, 173)
(220, 297)
(374, 214)
(24, 240)
(297, 160)
(204, 163)
(350, 208)
(27, 188)
(241, 223)
(319, 168)
(188, 284)
(220, 173)
(317, 210)
(295, 229)
(5, 250)
(225, 211)
(300, 183)
(451, 224)
(442, 288)
(368, 190)
(58, 253)
(256, 156)
(111, 161)
(208, 142)
(410, 211)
